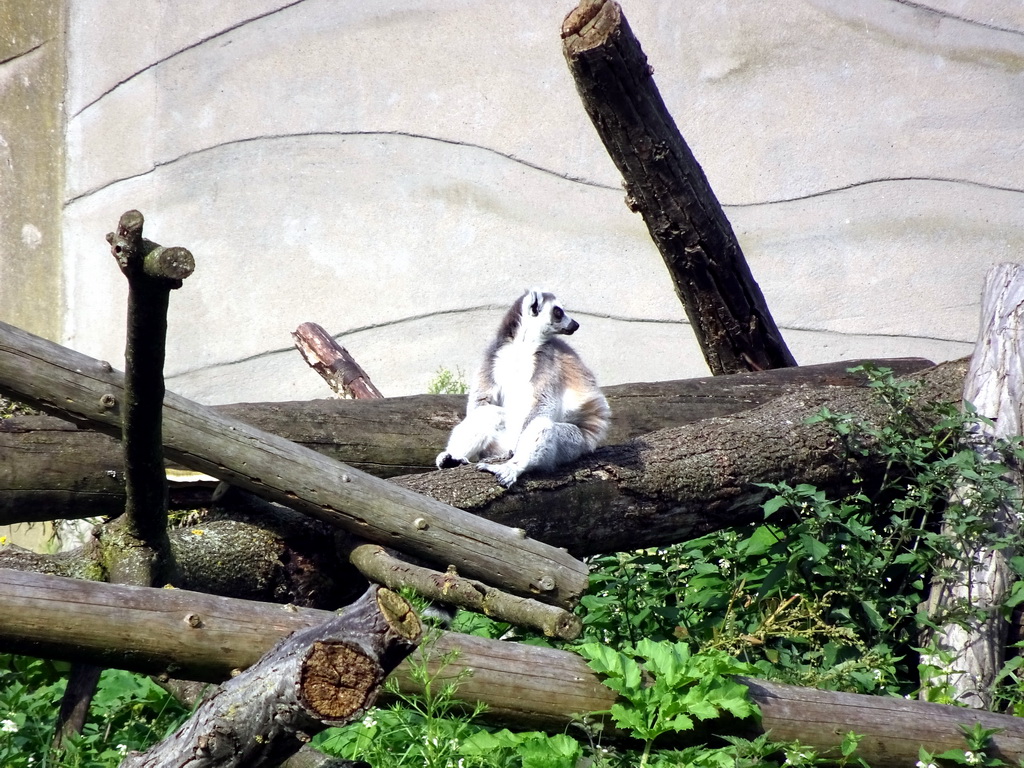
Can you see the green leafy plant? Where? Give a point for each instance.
(664, 687)
(446, 382)
(128, 712)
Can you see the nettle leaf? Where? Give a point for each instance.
(814, 548)
(702, 710)
(678, 723)
(627, 716)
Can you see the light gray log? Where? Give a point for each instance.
(981, 576)
(67, 382)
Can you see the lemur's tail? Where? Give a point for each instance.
(593, 417)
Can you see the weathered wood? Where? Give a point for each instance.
(667, 186)
(334, 363)
(204, 637)
(151, 277)
(676, 484)
(967, 603)
(378, 565)
(50, 468)
(321, 676)
(63, 381)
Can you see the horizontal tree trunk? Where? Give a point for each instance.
(50, 468)
(203, 637)
(67, 382)
(676, 484)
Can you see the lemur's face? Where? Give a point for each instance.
(544, 311)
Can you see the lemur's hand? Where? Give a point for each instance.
(445, 460)
(506, 473)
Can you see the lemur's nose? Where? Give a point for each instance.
(571, 328)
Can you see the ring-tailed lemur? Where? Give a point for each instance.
(533, 404)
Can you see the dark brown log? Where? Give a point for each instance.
(64, 381)
(205, 637)
(321, 676)
(152, 272)
(676, 484)
(138, 548)
(667, 186)
(50, 468)
(334, 363)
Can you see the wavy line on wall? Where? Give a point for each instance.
(870, 182)
(180, 51)
(955, 17)
(398, 322)
(536, 167)
(24, 53)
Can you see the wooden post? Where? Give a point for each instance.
(981, 576)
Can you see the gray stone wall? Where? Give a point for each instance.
(31, 164)
(398, 171)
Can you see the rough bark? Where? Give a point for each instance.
(334, 363)
(152, 272)
(667, 186)
(67, 382)
(322, 676)
(204, 637)
(380, 566)
(675, 484)
(139, 551)
(967, 603)
(271, 554)
(50, 468)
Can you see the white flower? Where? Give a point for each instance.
(8, 726)
(369, 722)
(922, 764)
(973, 759)
(122, 749)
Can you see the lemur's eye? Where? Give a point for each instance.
(558, 314)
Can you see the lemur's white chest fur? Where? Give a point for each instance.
(513, 369)
(533, 400)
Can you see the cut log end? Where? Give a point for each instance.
(338, 680)
(590, 23)
(400, 616)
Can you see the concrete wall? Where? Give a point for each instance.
(398, 170)
(31, 164)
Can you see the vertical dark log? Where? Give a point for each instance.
(666, 185)
(152, 272)
(137, 542)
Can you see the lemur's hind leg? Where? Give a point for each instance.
(478, 436)
(544, 444)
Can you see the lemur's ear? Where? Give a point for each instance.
(536, 301)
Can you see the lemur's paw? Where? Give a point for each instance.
(445, 460)
(506, 473)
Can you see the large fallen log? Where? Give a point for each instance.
(61, 380)
(676, 484)
(51, 468)
(202, 637)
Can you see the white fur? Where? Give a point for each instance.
(533, 404)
